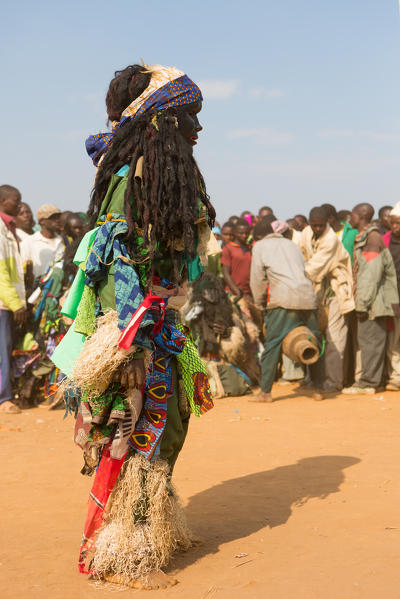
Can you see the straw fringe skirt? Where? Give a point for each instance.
(144, 522)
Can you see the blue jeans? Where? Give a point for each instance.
(6, 345)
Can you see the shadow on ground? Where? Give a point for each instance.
(236, 508)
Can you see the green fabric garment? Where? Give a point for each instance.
(71, 304)
(106, 410)
(114, 200)
(348, 237)
(214, 265)
(176, 427)
(106, 291)
(376, 284)
(68, 351)
(85, 321)
(189, 362)
(51, 303)
(163, 266)
(27, 343)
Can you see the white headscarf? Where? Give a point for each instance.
(396, 210)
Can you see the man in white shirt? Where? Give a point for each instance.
(44, 247)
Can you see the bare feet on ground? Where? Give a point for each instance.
(261, 398)
(153, 581)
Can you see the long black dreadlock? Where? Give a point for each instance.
(167, 195)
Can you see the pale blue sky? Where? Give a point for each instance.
(301, 97)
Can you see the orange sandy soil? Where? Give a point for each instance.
(308, 491)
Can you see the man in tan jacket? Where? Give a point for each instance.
(328, 266)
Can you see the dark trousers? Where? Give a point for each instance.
(6, 345)
(278, 323)
(372, 343)
(176, 427)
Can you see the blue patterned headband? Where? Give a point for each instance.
(168, 87)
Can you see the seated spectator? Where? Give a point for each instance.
(376, 297)
(279, 266)
(12, 290)
(46, 246)
(329, 268)
(384, 219)
(24, 221)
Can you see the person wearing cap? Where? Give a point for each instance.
(45, 246)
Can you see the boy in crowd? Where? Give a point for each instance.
(24, 221)
(376, 297)
(236, 262)
(12, 290)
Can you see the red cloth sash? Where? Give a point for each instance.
(105, 478)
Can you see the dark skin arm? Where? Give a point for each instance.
(133, 374)
(20, 316)
(230, 283)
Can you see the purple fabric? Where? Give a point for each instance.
(249, 219)
(6, 343)
(386, 238)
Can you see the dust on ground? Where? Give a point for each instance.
(293, 500)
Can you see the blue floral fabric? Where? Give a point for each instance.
(109, 248)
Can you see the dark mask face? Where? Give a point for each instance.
(188, 123)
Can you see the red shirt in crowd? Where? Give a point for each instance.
(238, 260)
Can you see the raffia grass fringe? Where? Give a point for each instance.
(134, 549)
(101, 357)
(234, 348)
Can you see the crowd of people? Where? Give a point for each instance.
(36, 272)
(335, 272)
(137, 315)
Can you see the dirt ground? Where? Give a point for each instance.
(293, 500)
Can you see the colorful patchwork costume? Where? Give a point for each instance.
(125, 309)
